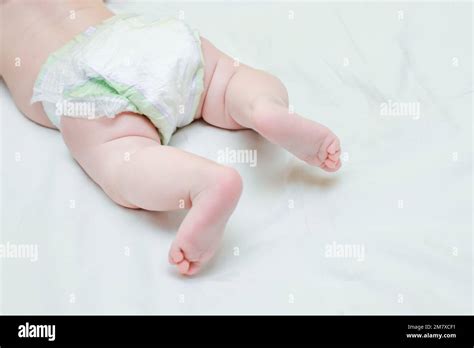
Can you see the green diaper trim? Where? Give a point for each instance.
(93, 87)
(100, 88)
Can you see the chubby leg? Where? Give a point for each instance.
(124, 156)
(239, 96)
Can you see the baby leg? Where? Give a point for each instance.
(124, 156)
(239, 96)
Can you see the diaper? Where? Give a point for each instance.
(126, 63)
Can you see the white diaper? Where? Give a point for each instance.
(126, 63)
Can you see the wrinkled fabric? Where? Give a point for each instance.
(126, 63)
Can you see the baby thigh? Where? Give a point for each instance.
(124, 157)
(232, 90)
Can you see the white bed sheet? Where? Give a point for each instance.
(404, 192)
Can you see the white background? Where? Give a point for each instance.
(340, 62)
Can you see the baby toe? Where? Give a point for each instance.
(175, 255)
(334, 157)
(334, 167)
(334, 147)
(183, 267)
(194, 268)
(330, 163)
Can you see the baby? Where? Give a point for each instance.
(69, 63)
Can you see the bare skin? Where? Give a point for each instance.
(124, 155)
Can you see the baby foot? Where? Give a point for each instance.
(308, 140)
(191, 251)
(201, 231)
(325, 149)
